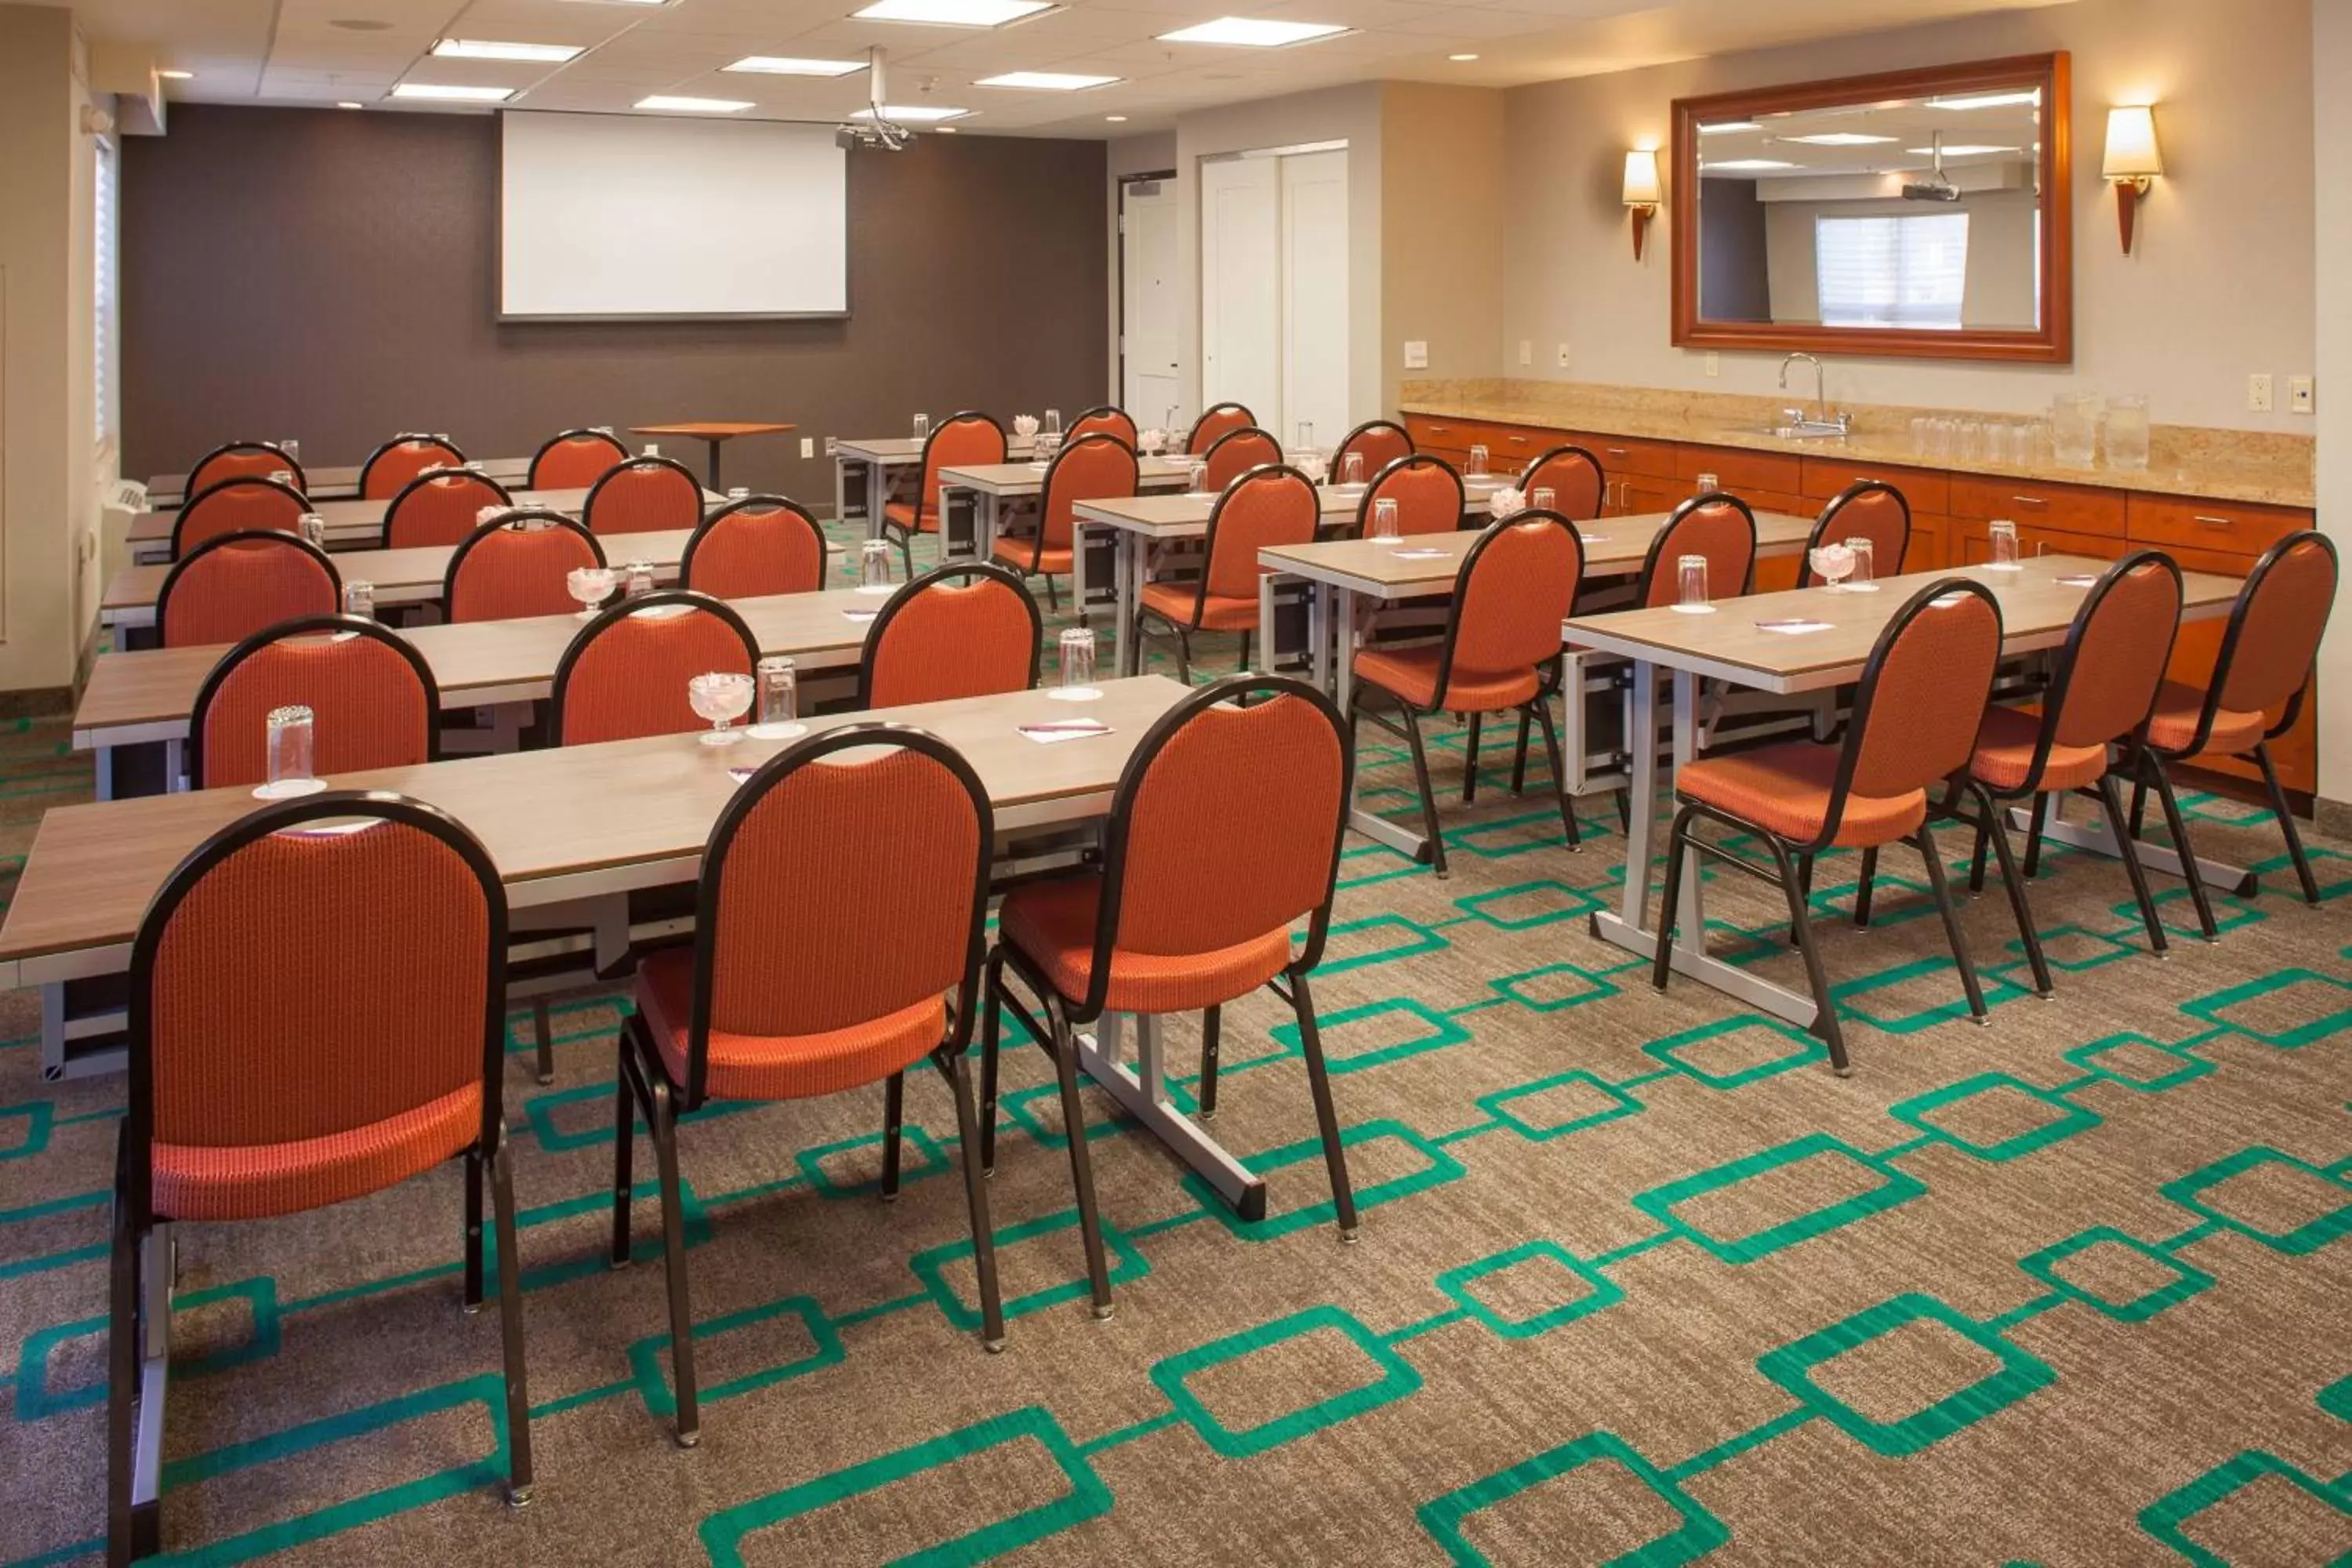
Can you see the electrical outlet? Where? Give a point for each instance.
(2299, 395)
(808, 447)
(832, 445)
(1527, 351)
(1561, 359)
(1416, 354)
(1714, 362)
(2257, 392)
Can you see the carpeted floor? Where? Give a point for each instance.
(1639, 1279)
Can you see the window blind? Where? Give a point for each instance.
(1909, 270)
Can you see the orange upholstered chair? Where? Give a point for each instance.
(1092, 468)
(1204, 871)
(1578, 486)
(1427, 491)
(517, 565)
(237, 506)
(229, 587)
(1236, 452)
(1867, 508)
(575, 460)
(242, 460)
(1500, 652)
(315, 1015)
(441, 508)
(1717, 526)
(1264, 508)
(402, 459)
(1914, 725)
(375, 703)
(756, 546)
(1102, 420)
(643, 495)
(2263, 669)
(2100, 694)
(624, 675)
(791, 990)
(964, 440)
(966, 629)
(1213, 423)
(1378, 442)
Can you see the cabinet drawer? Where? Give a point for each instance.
(1970, 544)
(1631, 455)
(1739, 470)
(1446, 438)
(2227, 526)
(1926, 489)
(2070, 509)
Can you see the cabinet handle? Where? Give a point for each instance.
(1614, 451)
(1516, 440)
(2029, 500)
(2215, 522)
(1440, 430)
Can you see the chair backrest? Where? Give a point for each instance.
(516, 565)
(404, 458)
(625, 674)
(1427, 491)
(292, 981)
(2108, 672)
(643, 495)
(1579, 485)
(1867, 508)
(1099, 466)
(969, 440)
(760, 544)
(1264, 508)
(837, 892)
(1717, 526)
(1236, 452)
(374, 702)
(1213, 422)
(1922, 696)
(2274, 631)
(575, 459)
(237, 506)
(1102, 420)
(1378, 442)
(1201, 852)
(440, 509)
(1516, 585)
(242, 460)
(965, 629)
(229, 587)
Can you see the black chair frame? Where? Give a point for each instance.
(456, 458)
(303, 626)
(301, 481)
(940, 576)
(906, 536)
(621, 610)
(1193, 435)
(179, 567)
(562, 438)
(751, 503)
(240, 482)
(1044, 499)
(1184, 629)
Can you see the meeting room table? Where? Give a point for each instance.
(713, 434)
(165, 492)
(354, 524)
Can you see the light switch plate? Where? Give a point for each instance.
(832, 445)
(1416, 354)
(1562, 356)
(2257, 392)
(808, 446)
(2299, 398)
(1714, 362)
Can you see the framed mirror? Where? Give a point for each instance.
(1922, 213)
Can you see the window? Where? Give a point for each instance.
(1905, 271)
(106, 331)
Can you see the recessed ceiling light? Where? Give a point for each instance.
(1986, 100)
(1957, 150)
(177, 76)
(693, 105)
(914, 114)
(953, 12)
(486, 49)
(1748, 164)
(346, 104)
(1046, 82)
(1458, 58)
(457, 94)
(1838, 139)
(1116, 119)
(784, 65)
(1721, 126)
(1253, 32)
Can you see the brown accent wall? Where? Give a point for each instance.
(331, 276)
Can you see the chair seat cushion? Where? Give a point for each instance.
(254, 1180)
(1053, 924)
(780, 1066)
(2004, 754)
(1219, 612)
(1016, 551)
(2177, 707)
(1785, 790)
(1411, 674)
(901, 514)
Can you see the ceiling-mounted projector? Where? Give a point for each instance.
(876, 129)
(1939, 189)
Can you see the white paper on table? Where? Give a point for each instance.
(1054, 733)
(859, 615)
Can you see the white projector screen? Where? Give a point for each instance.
(628, 216)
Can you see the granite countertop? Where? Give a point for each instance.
(2214, 478)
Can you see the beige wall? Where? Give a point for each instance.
(1441, 187)
(2221, 285)
(2331, 73)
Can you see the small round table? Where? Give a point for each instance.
(713, 432)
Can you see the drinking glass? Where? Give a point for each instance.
(780, 696)
(358, 598)
(923, 426)
(291, 447)
(1939, 437)
(873, 566)
(1971, 440)
(721, 696)
(1385, 527)
(591, 586)
(1352, 468)
(314, 529)
(2020, 445)
(1691, 571)
(1864, 577)
(1542, 499)
(739, 492)
(1197, 479)
(1078, 649)
(282, 476)
(1053, 426)
(652, 450)
(1709, 483)
(2004, 534)
(1919, 436)
(1832, 563)
(483, 514)
(2074, 428)
(290, 735)
(640, 578)
(2128, 432)
(1477, 467)
(1046, 444)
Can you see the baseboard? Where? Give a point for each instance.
(2333, 816)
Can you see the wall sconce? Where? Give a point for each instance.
(2132, 162)
(1641, 194)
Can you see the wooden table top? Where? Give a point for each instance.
(2038, 603)
(328, 482)
(354, 515)
(149, 693)
(1028, 479)
(1614, 546)
(889, 449)
(712, 429)
(559, 824)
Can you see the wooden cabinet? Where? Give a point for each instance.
(1971, 542)
(2180, 522)
(1926, 490)
(2069, 509)
(1741, 472)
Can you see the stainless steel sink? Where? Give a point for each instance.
(1801, 430)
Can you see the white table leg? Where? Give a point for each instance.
(877, 477)
(1142, 1092)
(1134, 571)
(1267, 655)
(2100, 839)
(1318, 635)
(105, 769)
(1378, 828)
(841, 493)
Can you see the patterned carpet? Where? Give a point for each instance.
(1639, 1280)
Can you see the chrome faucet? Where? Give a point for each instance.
(1822, 421)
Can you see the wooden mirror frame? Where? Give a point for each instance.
(2052, 342)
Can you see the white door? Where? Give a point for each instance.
(1241, 286)
(1314, 298)
(1148, 258)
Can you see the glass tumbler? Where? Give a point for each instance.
(779, 700)
(291, 733)
(873, 566)
(1691, 574)
(1053, 426)
(1197, 478)
(739, 492)
(1386, 529)
(1863, 578)
(1078, 653)
(2003, 535)
(1542, 499)
(1306, 442)
(1709, 483)
(640, 579)
(1352, 468)
(314, 529)
(358, 598)
(923, 426)
(291, 447)
(1477, 466)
